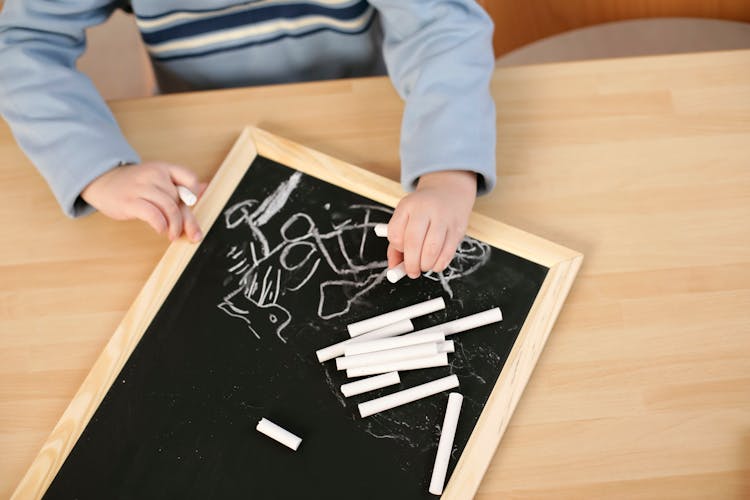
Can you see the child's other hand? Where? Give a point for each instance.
(148, 192)
(429, 223)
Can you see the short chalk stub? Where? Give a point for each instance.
(187, 196)
(394, 274)
(407, 396)
(392, 330)
(409, 312)
(381, 230)
(370, 384)
(278, 433)
(440, 359)
(445, 445)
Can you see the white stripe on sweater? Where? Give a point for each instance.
(258, 30)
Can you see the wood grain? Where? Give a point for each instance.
(641, 164)
(129, 332)
(253, 141)
(520, 23)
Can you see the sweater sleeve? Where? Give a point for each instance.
(55, 113)
(439, 56)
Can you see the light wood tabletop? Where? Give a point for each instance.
(642, 164)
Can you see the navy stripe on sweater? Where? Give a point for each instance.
(253, 16)
(194, 11)
(253, 43)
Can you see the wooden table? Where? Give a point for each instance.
(642, 164)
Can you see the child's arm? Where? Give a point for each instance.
(439, 56)
(63, 124)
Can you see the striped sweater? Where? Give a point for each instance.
(437, 53)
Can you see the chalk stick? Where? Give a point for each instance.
(392, 330)
(187, 196)
(387, 356)
(446, 346)
(278, 433)
(409, 312)
(445, 445)
(370, 384)
(440, 359)
(390, 343)
(381, 230)
(395, 273)
(407, 396)
(466, 323)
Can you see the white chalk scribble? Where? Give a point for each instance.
(265, 275)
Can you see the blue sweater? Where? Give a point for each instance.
(438, 54)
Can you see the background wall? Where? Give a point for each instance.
(519, 22)
(118, 63)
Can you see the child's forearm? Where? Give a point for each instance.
(55, 113)
(464, 181)
(440, 59)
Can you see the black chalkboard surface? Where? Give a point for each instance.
(288, 263)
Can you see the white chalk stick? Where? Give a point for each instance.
(392, 330)
(187, 196)
(278, 433)
(409, 312)
(395, 273)
(445, 445)
(370, 384)
(466, 323)
(390, 343)
(381, 230)
(446, 346)
(440, 359)
(407, 396)
(387, 356)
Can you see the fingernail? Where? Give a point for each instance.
(197, 236)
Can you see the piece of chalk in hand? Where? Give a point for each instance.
(395, 273)
(187, 196)
(381, 230)
(278, 433)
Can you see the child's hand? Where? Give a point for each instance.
(148, 192)
(428, 224)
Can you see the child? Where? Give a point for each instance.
(438, 54)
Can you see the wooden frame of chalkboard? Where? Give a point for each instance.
(562, 263)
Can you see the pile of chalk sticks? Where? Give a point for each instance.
(382, 346)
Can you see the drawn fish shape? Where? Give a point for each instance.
(258, 317)
(262, 274)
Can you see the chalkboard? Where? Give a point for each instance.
(290, 259)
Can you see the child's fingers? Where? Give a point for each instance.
(394, 256)
(413, 242)
(169, 189)
(397, 227)
(149, 213)
(433, 245)
(182, 176)
(169, 209)
(452, 239)
(192, 229)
